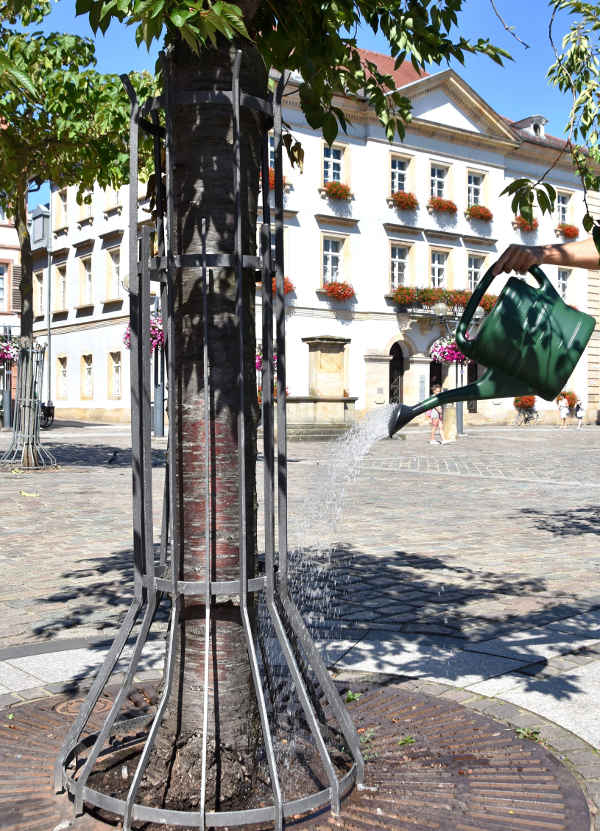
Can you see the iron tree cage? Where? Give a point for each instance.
(79, 755)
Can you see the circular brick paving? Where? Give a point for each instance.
(431, 765)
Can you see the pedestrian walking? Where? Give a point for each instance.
(579, 410)
(435, 417)
(563, 411)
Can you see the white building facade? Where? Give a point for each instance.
(456, 149)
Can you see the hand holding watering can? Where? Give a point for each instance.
(530, 341)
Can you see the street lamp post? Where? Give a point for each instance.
(442, 311)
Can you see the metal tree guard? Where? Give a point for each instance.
(25, 450)
(78, 757)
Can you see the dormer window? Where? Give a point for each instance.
(537, 128)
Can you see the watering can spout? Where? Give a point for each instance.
(492, 384)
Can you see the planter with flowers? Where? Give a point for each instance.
(445, 351)
(521, 224)
(336, 190)
(479, 212)
(407, 297)
(157, 334)
(403, 200)
(286, 185)
(567, 231)
(441, 206)
(9, 351)
(524, 402)
(339, 291)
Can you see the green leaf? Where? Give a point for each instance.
(596, 238)
(588, 223)
(330, 128)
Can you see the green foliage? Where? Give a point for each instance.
(351, 696)
(76, 128)
(313, 37)
(405, 740)
(531, 733)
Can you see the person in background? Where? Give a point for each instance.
(435, 417)
(563, 411)
(579, 411)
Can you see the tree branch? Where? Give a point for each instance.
(509, 29)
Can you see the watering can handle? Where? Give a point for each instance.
(475, 299)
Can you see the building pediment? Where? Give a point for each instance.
(446, 100)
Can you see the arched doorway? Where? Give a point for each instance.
(396, 374)
(435, 375)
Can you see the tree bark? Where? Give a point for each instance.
(26, 285)
(203, 188)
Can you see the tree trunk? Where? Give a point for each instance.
(26, 263)
(203, 188)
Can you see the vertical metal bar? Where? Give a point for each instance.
(145, 408)
(159, 359)
(280, 322)
(207, 519)
(164, 525)
(170, 329)
(241, 320)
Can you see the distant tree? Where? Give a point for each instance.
(73, 129)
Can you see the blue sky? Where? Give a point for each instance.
(516, 90)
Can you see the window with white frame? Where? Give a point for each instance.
(562, 206)
(474, 188)
(438, 180)
(115, 374)
(3, 285)
(60, 302)
(439, 262)
(399, 262)
(87, 286)
(332, 260)
(398, 174)
(114, 273)
(61, 376)
(332, 164)
(474, 269)
(563, 280)
(87, 376)
(38, 293)
(62, 209)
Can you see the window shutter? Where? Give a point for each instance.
(16, 288)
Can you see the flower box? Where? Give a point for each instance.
(521, 224)
(524, 402)
(403, 200)
(445, 351)
(479, 212)
(337, 190)
(339, 291)
(570, 397)
(443, 206)
(411, 296)
(567, 231)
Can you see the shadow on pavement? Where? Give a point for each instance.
(71, 454)
(567, 523)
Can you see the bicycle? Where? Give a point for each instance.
(524, 417)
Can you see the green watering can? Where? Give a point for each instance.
(530, 342)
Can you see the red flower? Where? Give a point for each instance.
(339, 291)
(479, 212)
(524, 402)
(405, 201)
(442, 205)
(337, 190)
(405, 296)
(523, 225)
(570, 397)
(288, 286)
(568, 231)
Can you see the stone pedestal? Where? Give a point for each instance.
(326, 366)
(416, 380)
(449, 431)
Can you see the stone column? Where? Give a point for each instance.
(449, 431)
(326, 365)
(377, 380)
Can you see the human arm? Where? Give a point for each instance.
(520, 258)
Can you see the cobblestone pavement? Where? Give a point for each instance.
(468, 540)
